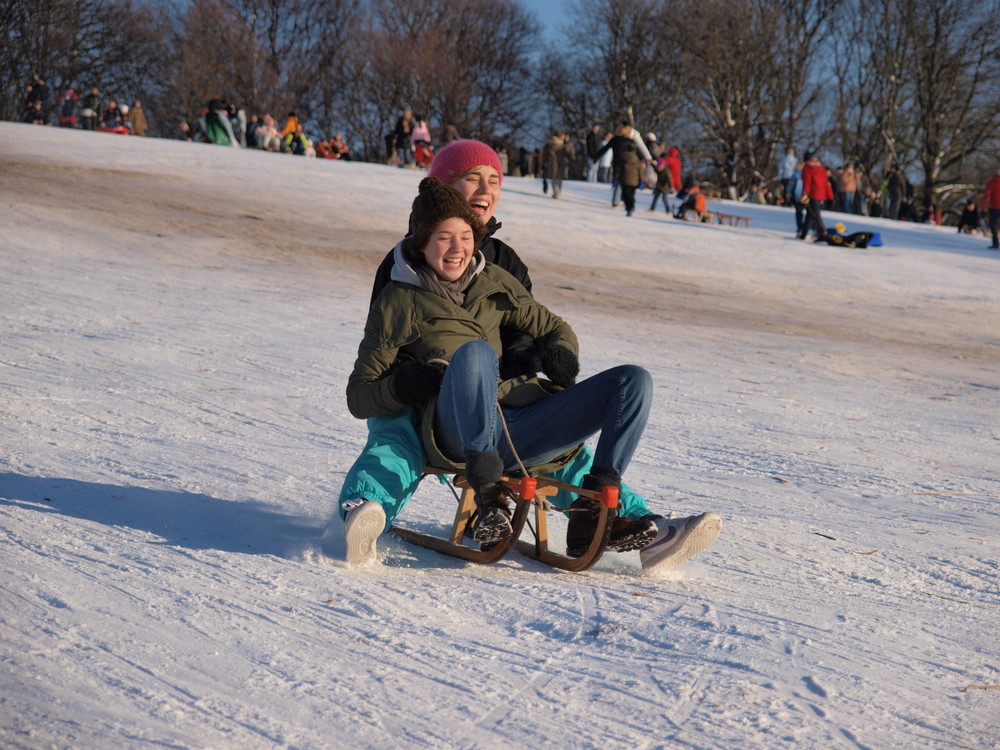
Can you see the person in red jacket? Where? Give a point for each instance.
(991, 204)
(815, 189)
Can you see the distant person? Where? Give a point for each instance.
(450, 135)
(617, 146)
(991, 204)
(34, 114)
(815, 189)
(630, 176)
(296, 142)
(604, 160)
(90, 107)
(594, 144)
(786, 174)
(970, 221)
(38, 92)
(123, 112)
(896, 189)
(421, 144)
(664, 185)
(268, 136)
(691, 199)
(111, 117)
(67, 108)
(401, 138)
(339, 148)
(137, 119)
(848, 187)
(556, 155)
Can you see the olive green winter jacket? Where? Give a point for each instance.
(410, 321)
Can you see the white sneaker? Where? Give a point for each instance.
(679, 539)
(362, 528)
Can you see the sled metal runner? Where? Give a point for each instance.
(530, 492)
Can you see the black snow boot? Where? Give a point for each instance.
(626, 534)
(492, 522)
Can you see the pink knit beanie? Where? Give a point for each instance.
(459, 157)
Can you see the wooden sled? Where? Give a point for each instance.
(732, 219)
(530, 491)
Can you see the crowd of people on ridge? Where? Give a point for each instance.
(621, 157)
(87, 112)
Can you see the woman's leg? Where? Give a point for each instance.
(465, 418)
(466, 426)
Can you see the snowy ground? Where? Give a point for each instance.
(177, 324)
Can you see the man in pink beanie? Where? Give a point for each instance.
(461, 156)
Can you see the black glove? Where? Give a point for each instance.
(560, 365)
(517, 362)
(414, 382)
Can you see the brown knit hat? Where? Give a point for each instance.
(434, 203)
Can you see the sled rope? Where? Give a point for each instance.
(510, 442)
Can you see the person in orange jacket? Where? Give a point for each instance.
(815, 189)
(290, 124)
(991, 204)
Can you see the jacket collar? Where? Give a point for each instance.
(402, 269)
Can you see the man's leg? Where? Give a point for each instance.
(633, 505)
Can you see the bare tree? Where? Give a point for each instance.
(869, 85)
(799, 30)
(625, 54)
(111, 44)
(955, 68)
(260, 54)
(456, 62)
(732, 80)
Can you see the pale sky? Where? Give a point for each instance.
(550, 14)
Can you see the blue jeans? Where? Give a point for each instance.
(615, 403)
(657, 195)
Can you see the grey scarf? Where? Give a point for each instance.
(420, 274)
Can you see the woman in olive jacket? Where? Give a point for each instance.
(441, 315)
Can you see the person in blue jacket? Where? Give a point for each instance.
(392, 462)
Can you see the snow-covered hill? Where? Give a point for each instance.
(177, 323)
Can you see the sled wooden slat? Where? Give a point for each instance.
(483, 557)
(538, 549)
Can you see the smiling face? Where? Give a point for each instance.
(449, 250)
(481, 187)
